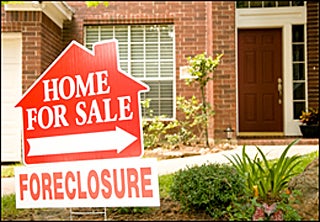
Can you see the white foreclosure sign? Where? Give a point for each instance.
(96, 183)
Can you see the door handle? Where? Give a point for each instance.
(279, 90)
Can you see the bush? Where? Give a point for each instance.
(173, 133)
(266, 179)
(209, 188)
(154, 128)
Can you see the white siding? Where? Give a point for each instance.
(11, 92)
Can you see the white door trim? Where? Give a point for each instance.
(284, 18)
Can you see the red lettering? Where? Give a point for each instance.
(34, 178)
(144, 182)
(93, 174)
(82, 194)
(106, 194)
(57, 185)
(116, 183)
(70, 176)
(23, 186)
(132, 177)
(46, 183)
(118, 193)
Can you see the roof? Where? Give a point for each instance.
(57, 11)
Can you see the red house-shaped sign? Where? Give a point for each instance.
(83, 107)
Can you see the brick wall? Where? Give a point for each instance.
(189, 19)
(193, 35)
(224, 86)
(41, 41)
(313, 52)
(51, 42)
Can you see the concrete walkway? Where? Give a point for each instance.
(271, 152)
(173, 165)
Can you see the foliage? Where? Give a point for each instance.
(285, 205)
(281, 210)
(8, 171)
(305, 161)
(310, 116)
(154, 132)
(164, 185)
(96, 3)
(191, 125)
(241, 209)
(131, 210)
(200, 67)
(187, 131)
(8, 205)
(154, 128)
(250, 209)
(11, 2)
(209, 188)
(264, 179)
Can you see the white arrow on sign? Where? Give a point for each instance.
(117, 139)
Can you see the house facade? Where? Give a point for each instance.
(269, 71)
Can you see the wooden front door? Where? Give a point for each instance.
(260, 81)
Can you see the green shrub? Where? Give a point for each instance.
(8, 205)
(193, 123)
(202, 67)
(173, 133)
(209, 188)
(154, 128)
(8, 170)
(285, 205)
(164, 185)
(266, 179)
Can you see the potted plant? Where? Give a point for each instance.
(310, 123)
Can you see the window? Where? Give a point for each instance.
(298, 70)
(266, 4)
(147, 53)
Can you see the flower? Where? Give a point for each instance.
(267, 213)
(269, 209)
(258, 214)
(277, 216)
(310, 116)
(255, 190)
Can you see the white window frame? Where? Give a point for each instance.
(128, 60)
(305, 80)
(263, 3)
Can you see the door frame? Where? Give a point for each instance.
(282, 18)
